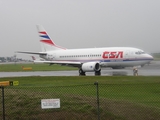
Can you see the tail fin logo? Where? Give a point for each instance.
(48, 44)
(45, 38)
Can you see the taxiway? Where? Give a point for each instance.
(152, 69)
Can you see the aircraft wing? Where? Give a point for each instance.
(74, 64)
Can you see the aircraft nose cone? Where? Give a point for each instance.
(150, 57)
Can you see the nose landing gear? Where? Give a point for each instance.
(135, 72)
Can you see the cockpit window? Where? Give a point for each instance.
(139, 52)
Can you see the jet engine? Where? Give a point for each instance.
(90, 67)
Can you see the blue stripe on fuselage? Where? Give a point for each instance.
(108, 60)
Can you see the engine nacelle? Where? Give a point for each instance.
(90, 66)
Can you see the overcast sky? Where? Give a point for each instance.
(79, 24)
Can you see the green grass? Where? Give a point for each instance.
(35, 67)
(120, 97)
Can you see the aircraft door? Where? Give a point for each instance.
(54, 56)
(51, 57)
(127, 54)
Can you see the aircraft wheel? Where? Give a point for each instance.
(81, 72)
(98, 73)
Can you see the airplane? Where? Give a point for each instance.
(36, 59)
(89, 59)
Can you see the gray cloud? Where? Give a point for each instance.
(80, 24)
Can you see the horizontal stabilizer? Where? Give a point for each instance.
(36, 53)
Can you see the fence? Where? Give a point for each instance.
(82, 102)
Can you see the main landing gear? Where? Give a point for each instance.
(82, 73)
(98, 73)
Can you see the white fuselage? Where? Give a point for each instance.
(107, 57)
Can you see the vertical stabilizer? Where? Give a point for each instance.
(46, 42)
(33, 58)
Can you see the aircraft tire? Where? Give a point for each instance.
(81, 72)
(98, 73)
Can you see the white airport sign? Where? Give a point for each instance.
(50, 103)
